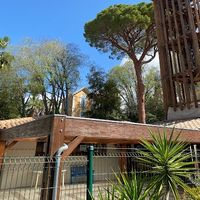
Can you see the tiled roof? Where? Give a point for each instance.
(192, 124)
(4, 124)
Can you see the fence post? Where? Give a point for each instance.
(90, 171)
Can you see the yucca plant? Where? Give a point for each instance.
(108, 193)
(195, 196)
(129, 187)
(168, 163)
(126, 187)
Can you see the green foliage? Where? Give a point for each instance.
(126, 30)
(168, 162)
(51, 71)
(104, 96)
(34, 106)
(130, 187)
(125, 79)
(126, 187)
(120, 28)
(4, 42)
(108, 194)
(153, 95)
(9, 95)
(195, 194)
(5, 57)
(40, 77)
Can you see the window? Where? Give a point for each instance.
(83, 103)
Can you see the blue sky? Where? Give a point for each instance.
(55, 19)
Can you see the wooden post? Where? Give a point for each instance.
(167, 84)
(2, 152)
(55, 141)
(123, 159)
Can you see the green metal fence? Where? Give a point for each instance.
(21, 177)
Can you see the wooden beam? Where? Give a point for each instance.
(105, 131)
(34, 139)
(96, 131)
(11, 144)
(33, 129)
(72, 146)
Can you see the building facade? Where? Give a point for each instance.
(80, 102)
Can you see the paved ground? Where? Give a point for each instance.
(69, 192)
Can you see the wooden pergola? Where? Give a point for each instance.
(178, 36)
(56, 130)
(59, 129)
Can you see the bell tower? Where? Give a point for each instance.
(178, 33)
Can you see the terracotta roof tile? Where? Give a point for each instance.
(193, 124)
(4, 124)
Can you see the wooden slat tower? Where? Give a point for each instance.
(178, 33)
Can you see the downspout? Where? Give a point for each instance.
(57, 168)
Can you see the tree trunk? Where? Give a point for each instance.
(44, 100)
(167, 195)
(140, 94)
(66, 101)
(23, 109)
